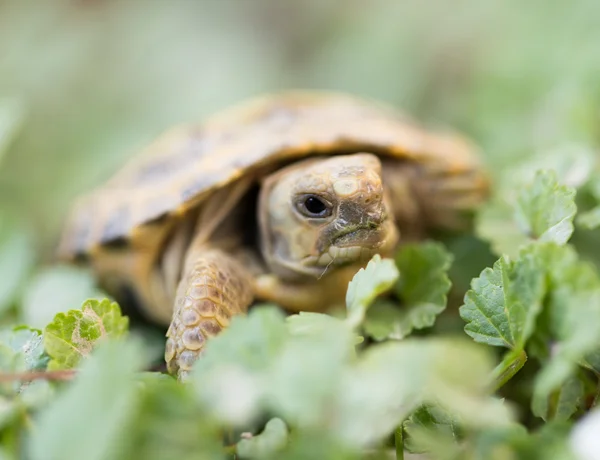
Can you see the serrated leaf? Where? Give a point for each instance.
(540, 211)
(55, 290)
(73, 335)
(16, 258)
(266, 444)
(545, 209)
(503, 303)
(422, 288)
(88, 420)
(375, 279)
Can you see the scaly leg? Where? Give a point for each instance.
(214, 287)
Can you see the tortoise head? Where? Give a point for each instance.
(324, 212)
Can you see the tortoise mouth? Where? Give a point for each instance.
(363, 237)
(354, 245)
(357, 245)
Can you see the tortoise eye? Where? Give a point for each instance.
(313, 206)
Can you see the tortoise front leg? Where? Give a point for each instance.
(214, 287)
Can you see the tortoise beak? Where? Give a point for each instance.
(361, 237)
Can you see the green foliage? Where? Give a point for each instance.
(21, 348)
(421, 288)
(269, 442)
(375, 279)
(542, 210)
(72, 335)
(427, 426)
(545, 210)
(503, 304)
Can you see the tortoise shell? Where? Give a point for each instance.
(188, 163)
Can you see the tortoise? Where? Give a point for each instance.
(279, 199)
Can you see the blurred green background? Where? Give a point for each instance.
(84, 84)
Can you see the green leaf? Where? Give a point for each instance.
(250, 341)
(90, 418)
(495, 223)
(22, 349)
(375, 279)
(424, 278)
(228, 377)
(310, 323)
(504, 302)
(392, 379)
(57, 289)
(540, 211)
(268, 443)
(592, 361)
(573, 317)
(317, 444)
(428, 427)
(73, 335)
(16, 258)
(422, 288)
(589, 220)
(169, 423)
(545, 209)
(561, 404)
(307, 371)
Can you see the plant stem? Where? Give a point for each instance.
(506, 370)
(65, 374)
(399, 441)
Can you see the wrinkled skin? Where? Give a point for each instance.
(352, 221)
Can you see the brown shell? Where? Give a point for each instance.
(183, 166)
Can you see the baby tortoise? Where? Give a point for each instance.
(279, 199)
